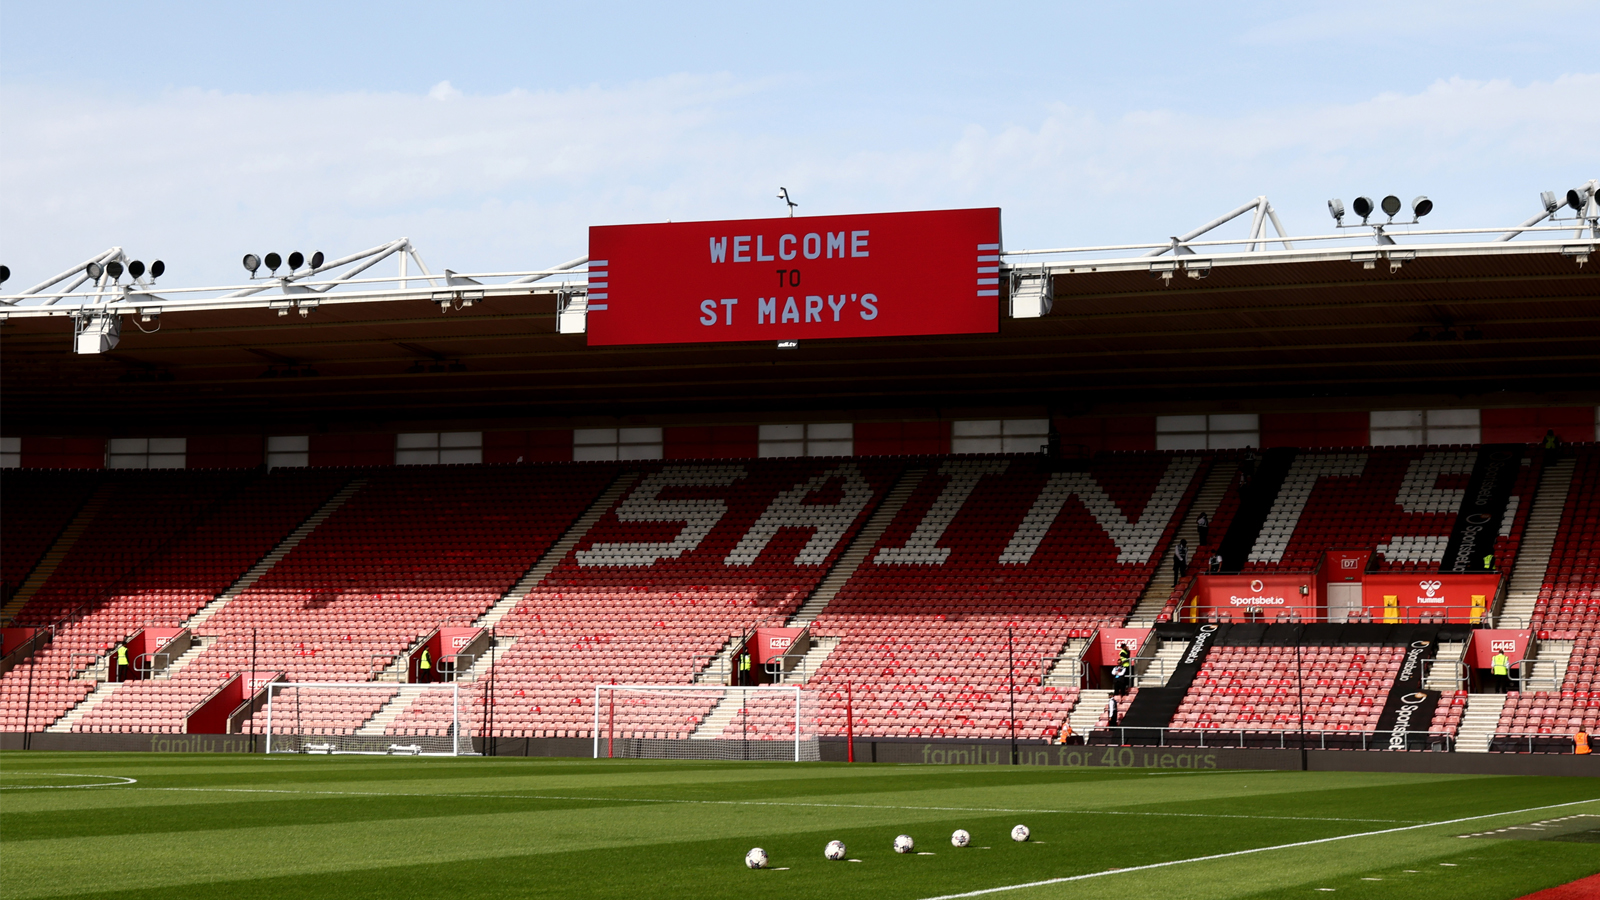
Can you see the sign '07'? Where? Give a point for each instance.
(874, 275)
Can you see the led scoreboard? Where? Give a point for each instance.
(811, 278)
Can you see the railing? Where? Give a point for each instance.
(77, 672)
(1458, 677)
(146, 665)
(1280, 739)
(460, 664)
(1527, 680)
(1530, 742)
(1142, 674)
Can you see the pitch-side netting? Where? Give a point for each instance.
(772, 722)
(366, 717)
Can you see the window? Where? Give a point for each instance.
(147, 453)
(999, 436)
(589, 444)
(1224, 431)
(835, 439)
(434, 448)
(288, 452)
(10, 453)
(1401, 427)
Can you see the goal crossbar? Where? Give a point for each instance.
(704, 721)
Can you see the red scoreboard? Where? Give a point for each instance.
(874, 275)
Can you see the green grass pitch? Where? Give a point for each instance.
(200, 826)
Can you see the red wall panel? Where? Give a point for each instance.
(225, 451)
(510, 447)
(902, 438)
(710, 442)
(1317, 429)
(1527, 426)
(352, 450)
(1096, 434)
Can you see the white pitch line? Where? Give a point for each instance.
(976, 809)
(47, 787)
(1179, 862)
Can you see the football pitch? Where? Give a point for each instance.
(176, 826)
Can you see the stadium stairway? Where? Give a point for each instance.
(277, 553)
(558, 552)
(1212, 490)
(853, 557)
(86, 706)
(1478, 722)
(821, 647)
(1257, 498)
(1089, 709)
(1445, 673)
(1533, 558)
(718, 719)
(1067, 671)
(58, 551)
(1168, 654)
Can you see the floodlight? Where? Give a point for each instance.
(1336, 209)
(114, 269)
(1363, 207)
(273, 261)
(316, 260)
(135, 269)
(1548, 200)
(252, 262)
(1391, 205)
(296, 259)
(157, 269)
(1421, 206)
(93, 270)
(1576, 200)
(5, 274)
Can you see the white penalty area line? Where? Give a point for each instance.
(119, 782)
(1180, 862)
(783, 803)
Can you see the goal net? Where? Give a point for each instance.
(704, 721)
(369, 717)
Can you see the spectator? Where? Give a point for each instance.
(425, 668)
(1202, 525)
(1500, 667)
(1216, 563)
(1180, 560)
(1580, 742)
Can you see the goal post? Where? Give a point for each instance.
(705, 721)
(366, 717)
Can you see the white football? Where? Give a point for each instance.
(960, 838)
(835, 850)
(904, 844)
(756, 858)
(1020, 833)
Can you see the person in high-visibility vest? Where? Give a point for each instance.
(1580, 743)
(744, 668)
(1500, 666)
(424, 668)
(1066, 733)
(1488, 562)
(122, 662)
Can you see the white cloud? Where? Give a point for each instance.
(513, 180)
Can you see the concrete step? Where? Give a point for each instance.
(1538, 537)
(1478, 722)
(1064, 673)
(856, 553)
(265, 564)
(1086, 712)
(1159, 590)
(557, 552)
(712, 726)
(813, 660)
(85, 706)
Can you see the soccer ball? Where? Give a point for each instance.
(835, 850)
(1020, 833)
(756, 858)
(960, 838)
(904, 844)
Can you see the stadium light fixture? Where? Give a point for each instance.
(1198, 268)
(5, 274)
(1391, 205)
(1420, 207)
(1363, 207)
(252, 262)
(273, 261)
(114, 269)
(1336, 209)
(296, 260)
(1576, 200)
(1548, 200)
(157, 269)
(135, 269)
(316, 260)
(94, 270)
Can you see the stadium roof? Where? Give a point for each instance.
(1305, 320)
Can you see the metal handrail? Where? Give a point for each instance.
(457, 668)
(145, 663)
(1288, 738)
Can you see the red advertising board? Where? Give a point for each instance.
(812, 278)
(1233, 596)
(1399, 597)
(771, 643)
(1486, 642)
(1113, 639)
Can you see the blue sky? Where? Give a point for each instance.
(493, 135)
